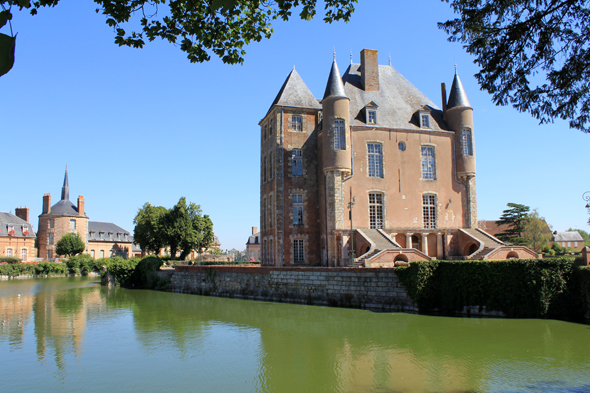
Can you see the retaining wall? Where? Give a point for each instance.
(343, 287)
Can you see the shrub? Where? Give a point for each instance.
(10, 259)
(518, 288)
(84, 264)
(120, 268)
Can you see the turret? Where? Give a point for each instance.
(335, 136)
(459, 116)
(65, 190)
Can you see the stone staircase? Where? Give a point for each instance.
(380, 242)
(489, 243)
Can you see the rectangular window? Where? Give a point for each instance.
(118, 236)
(264, 214)
(101, 235)
(575, 244)
(375, 159)
(270, 129)
(375, 210)
(102, 253)
(92, 253)
(50, 223)
(264, 134)
(264, 170)
(126, 237)
(270, 166)
(569, 244)
(9, 252)
(92, 234)
(429, 210)
(296, 123)
(298, 256)
(50, 239)
(425, 120)
(110, 236)
(466, 142)
(110, 253)
(270, 253)
(270, 209)
(49, 253)
(428, 163)
(297, 162)
(23, 254)
(339, 135)
(372, 117)
(72, 224)
(297, 209)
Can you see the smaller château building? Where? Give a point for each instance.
(17, 238)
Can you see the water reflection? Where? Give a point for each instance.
(169, 340)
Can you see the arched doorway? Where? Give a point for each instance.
(470, 249)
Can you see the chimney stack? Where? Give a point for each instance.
(443, 93)
(46, 203)
(81, 205)
(254, 230)
(22, 213)
(369, 70)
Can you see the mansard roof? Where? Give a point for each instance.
(107, 227)
(295, 93)
(397, 99)
(334, 87)
(20, 225)
(457, 97)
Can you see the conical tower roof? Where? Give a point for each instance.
(295, 93)
(65, 190)
(335, 87)
(457, 97)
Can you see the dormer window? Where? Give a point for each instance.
(424, 120)
(101, 234)
(126, 237)
(424, 117)
(371, 113)
(110, 236)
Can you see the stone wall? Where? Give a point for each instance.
(343, 287)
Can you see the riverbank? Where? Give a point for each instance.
(30, 276)
(516, 288)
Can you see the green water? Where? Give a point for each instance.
(71, 335)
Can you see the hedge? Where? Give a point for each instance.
(532, 288)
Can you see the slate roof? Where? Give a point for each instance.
(64, 208)
(398, 100)
(457, 97)
(19, 224)
(295, 93)
(254, 239)
(334, 87)
(97, 227)
(571, 236)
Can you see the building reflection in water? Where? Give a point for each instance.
(281, 347)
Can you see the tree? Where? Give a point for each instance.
(536, 233)
(149, 232)
(514, 217)
(533, 54)
(70, 244)
(187, 229)
(200, 27)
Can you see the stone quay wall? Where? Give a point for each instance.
(338, 287)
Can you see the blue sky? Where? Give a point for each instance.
(145, 125)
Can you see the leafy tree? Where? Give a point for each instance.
(533, 54)
(186, 229)
(585, 235)
(70, 244)
(514, 217)
(200, 27)
(536, 233)
(149, 232)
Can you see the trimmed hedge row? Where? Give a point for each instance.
(41, 268)
(532, 288)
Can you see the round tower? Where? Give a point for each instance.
(336, 146)
(459, 116)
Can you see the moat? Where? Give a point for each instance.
(71, 335)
